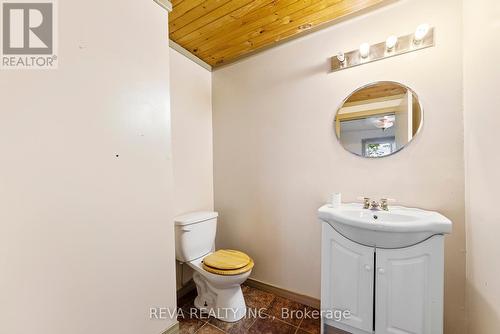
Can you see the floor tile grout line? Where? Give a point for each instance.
(286, 322)
(254, 320)
(210, 325)
(298, 327)
(196, 331)
(267, 315)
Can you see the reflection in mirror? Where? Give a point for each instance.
(379, 119)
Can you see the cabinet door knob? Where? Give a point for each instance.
(381, 271)
(368, 267)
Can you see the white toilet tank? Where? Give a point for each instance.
(195, 235)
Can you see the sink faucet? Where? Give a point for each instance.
(374, 205)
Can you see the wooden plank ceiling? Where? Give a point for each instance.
(381, 90)
(222, 31)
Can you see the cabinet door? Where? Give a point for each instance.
(409, 289)
(347, 279)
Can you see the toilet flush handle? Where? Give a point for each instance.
(186, 229)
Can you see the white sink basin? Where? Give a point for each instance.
(396, 228)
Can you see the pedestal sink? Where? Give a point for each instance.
(396, 228)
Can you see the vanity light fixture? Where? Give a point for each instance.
(422, 38)
(390, 43)
(420, 33)
(364, 50)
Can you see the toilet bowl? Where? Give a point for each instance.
(218, 275)
(219, 295)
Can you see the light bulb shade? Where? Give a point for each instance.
(421, 32)
(391, 42)
(364, 50)
(341, 56)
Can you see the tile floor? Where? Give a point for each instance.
(271, 323)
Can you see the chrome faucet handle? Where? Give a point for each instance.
(384, 203)
(366, 202)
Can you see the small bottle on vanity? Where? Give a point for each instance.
(336, 200)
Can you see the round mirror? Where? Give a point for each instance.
(379, 119)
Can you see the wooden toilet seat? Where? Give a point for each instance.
(227, 262)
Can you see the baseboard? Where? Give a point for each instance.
(174, 329)
(187, 288)
(297, 297)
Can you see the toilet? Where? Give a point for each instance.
(218, 275)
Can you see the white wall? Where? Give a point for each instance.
(86, 236)
(191, 102)
(482, 105)
(276, 157)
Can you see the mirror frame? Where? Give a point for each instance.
(369, 85)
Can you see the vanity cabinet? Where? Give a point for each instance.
(347, 279)
(386, 291)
